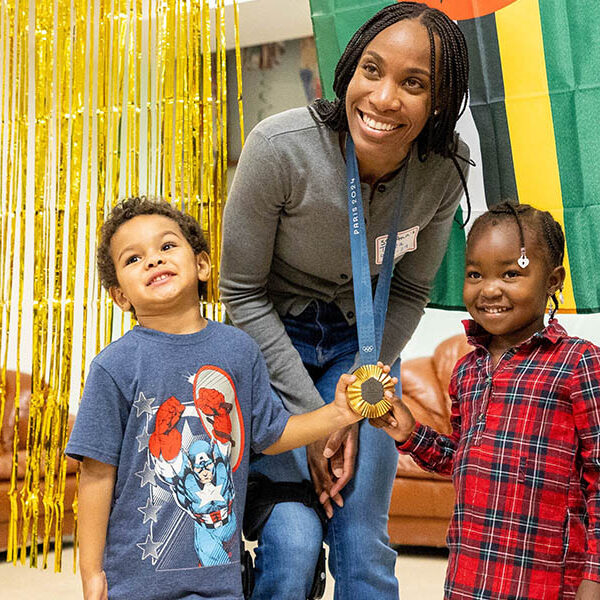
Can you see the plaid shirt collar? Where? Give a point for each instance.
(478, 337)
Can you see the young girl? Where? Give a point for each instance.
(524, 452)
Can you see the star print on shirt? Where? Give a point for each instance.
(142, 439)
(143, 405)
(149, 548)
(210, 493)
(150, 511)
(147, 475)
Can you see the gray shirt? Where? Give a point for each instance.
(286, 240)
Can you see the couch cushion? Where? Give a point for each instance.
(7, 429)
(445, 357)
(6, 465)
(422, 394)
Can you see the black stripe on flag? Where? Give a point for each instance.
(486, 88)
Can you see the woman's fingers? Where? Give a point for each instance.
(350, 448)
(318, 466)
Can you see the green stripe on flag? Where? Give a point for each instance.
(448, 284)
(334, 23)
(572, 52)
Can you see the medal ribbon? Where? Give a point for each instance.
(370, 313)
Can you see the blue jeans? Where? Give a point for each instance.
(360, 558)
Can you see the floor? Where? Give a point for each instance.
(420, 572)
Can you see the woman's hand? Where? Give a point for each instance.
(95, 587)
(398, 422)
(588, 590)
(331, 465)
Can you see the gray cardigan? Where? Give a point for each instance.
(286, 240)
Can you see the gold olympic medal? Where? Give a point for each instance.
(366, 394)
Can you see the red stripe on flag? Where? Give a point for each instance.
(467, 9)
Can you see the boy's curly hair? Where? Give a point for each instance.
(134, 207)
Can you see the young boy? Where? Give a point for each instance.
(168, 418)
(524, 452)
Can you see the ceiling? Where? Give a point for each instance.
(265, 21)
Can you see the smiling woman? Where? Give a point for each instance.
(289, 278)
(388, 101)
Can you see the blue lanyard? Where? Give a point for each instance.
(370, 314)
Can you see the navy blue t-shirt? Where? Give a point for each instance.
(177, 415)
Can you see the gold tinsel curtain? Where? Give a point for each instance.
(99, 100)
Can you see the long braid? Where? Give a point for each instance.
(433, 112)
(555, 239)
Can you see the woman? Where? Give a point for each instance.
(286, 273)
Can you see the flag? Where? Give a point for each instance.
(534, 89)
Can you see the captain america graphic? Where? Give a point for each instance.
(201, 482)
(191, 459)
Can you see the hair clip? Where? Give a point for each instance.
(523, 261)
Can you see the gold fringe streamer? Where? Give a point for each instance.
(128, 99)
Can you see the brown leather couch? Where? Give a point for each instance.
(6, 446)
(422, 502)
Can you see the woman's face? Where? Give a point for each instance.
(388, 99)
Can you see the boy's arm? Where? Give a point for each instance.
(431, 450)
(309, 427)
(96, 487)
(398, 423)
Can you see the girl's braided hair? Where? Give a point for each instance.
(541, 223)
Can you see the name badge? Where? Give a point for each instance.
(406, 242)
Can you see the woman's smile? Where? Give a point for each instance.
(378, 124)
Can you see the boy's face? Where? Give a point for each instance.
(156, 267)
(506, 300)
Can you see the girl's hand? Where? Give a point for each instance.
(398, 422)
(588, 590)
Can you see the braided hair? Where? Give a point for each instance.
(438, 134)
(547, 230)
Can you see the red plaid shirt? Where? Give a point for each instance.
(524, 455)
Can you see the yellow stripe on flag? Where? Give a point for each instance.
(529, 115)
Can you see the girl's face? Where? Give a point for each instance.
(388, 100)
(507, 301)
